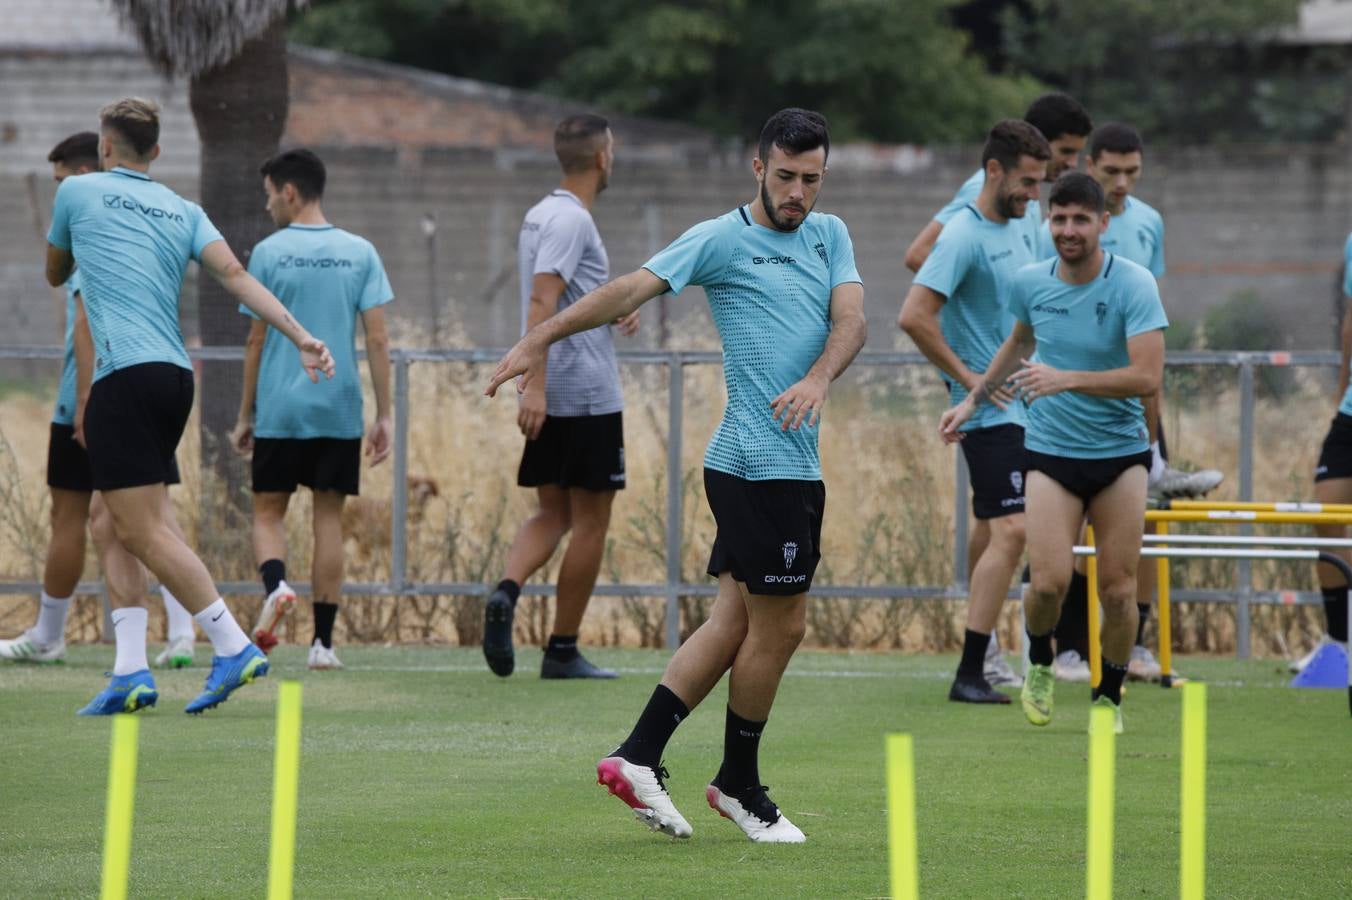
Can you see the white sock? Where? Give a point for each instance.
(1157, 463)
(226, 637)
(51, 625)
(180, 620)
(129, 626)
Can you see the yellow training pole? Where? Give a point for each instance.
(1095, 647)
(1165, 612)
(1248, 517)
(285, 786)
(1192, 863)
(1099, 859)
(1280, 506)
(117, 823)
(901, 817)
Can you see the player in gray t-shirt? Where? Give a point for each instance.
(571, 419)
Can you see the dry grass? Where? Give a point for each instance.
(889, 512)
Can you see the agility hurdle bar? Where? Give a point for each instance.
(1299, 506)
(1314, 555)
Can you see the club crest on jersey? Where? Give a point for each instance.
(1016, 481)
(821, 251)
(790, 554)
(1101, 311)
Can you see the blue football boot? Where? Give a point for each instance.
(124, 694)
(228, 673)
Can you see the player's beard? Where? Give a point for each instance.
(771, 212)
(1004, 205)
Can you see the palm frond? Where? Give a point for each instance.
(190, 37)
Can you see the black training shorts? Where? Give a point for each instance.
(133, 423)
(996, 466)
(320, 464)
(576, 452)
(1085, 478)
(769, 532)
(1335, 458)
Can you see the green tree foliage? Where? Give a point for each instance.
(1205, 70)
(879, 70)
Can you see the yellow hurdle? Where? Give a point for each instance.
(1165, 612)
(1248, 517)
(1296, 506)
(1192, 806)
(1102, 772)
(285, 786)
(118, 818)
(1095, 638)
(902, 863)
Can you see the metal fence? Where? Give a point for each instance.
(673, 587)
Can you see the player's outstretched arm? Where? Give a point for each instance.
(920, 248)
(920, 319)
(380, 436)
(242, 437)
(990, 387)
(83, 341)
(220, 261)
(1142, 375)
(604, 305)
(849, 330)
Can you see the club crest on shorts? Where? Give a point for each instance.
(790, 554)
(1016, 480)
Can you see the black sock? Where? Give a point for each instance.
(510, 588)
(1110, 684)
(1335, 611)
(655, 726)
(1072, 629)
(740, 772)
(562, 647)
(974, 645)
(273, 572)
(1144, 610)
(1040, 649)
(324, 616)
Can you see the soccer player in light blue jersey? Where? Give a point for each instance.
(1333, 484)
(789, 307)
(955, 312)
(300, 434)
(1097, 325)
(74, 503)
(134, 239)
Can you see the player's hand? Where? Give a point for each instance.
(78, 425)
(530, 413)
(953, 419)
(627, 325)
(315, 358)
(1036, 380)
(1000, 397)
(379, 440)
(526, 359)
(242, 437)
(805, 398)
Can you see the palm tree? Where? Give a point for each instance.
(234, 54)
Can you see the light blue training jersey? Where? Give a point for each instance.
(133, 238)
(64, 413)
(770, 295)
(326, 278)
(1085, 328)
(1137, 234)
(971, 266)
(1346, 406)
(966, 196)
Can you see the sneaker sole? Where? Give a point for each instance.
(609, 775)
(498, 650)
(711, 794)
(264, 632)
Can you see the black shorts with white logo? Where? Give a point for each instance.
(769, 532)
(576, 452)
(1335, 459)
(1085, 478)
(133, 423)
(996, 464)
(320, 464)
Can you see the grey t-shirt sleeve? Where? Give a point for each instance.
(563, 240)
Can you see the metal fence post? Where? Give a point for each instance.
(675, 414)
(1245, 573)
(399, 490)
(960, 519)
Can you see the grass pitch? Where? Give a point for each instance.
(423, 774)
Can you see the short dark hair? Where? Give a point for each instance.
(80, 149)
(136, 121)
(300, 168)
(794, 130)
(1079, 189)
(577, 139)
(1115, 137)
(1058, 114)
(1011, 139)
